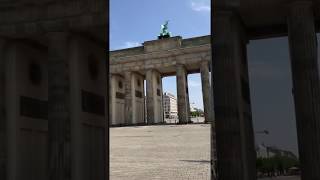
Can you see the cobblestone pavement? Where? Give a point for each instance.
(167, 152)
(282, 178)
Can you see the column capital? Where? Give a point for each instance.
(228, 14)
(128, 73)
(152, 70)
(227, 23)
(204, 63)
(180, 66)
(299, 9)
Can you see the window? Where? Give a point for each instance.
(120, 84)
(138, 94)
(139, 82)
(35, 73)
(245, 91)
(93, 67)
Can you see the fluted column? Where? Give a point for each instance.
(150, 96)
(110, 92)
(188, 100)
(128, 98)
(154, 97)
(3, 129)
(231, 103)
(204, 70)
(182, 94)
(213, 141)
(306, 87)
(58, 107)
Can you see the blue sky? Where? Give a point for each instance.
(133, 22)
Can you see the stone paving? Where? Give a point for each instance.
(167, 152)
(282, 178)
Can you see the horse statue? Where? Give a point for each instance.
(164, 31)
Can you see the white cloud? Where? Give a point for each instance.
(200, 5)
(194, 83)
(130, 44)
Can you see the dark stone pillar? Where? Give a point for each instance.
(150, 96)
(182, 94)
(213, 141)
(204, 70)
(306, 87)
(234, 132)
(188, 100)
(128, 98)
(3, 124)
(58, 107)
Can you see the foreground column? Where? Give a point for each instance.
(213, 141)
(150, 94)
(154, 97)
(204, 70)
(182, 94)
(234, 136)
(138, 99)
(188, 100)
(3, 124)
(134, 98)
(59, 124)
(306, 87)
(117, 100)
(128, 98)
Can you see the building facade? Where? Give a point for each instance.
(151, 62)
(193, 107)
(170, 105)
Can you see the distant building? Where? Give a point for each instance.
(264, 151)
(193, 107)
(170, 105)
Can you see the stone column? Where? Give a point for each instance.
(58, 107)
(182, 94)
(111, 103)
(306, 87)
(212, 129)
(231, 106)
(188, 100)
(128, 97)
(150, 96)
(204, 70)
(162, 104)
(154, 97)
(3, 124)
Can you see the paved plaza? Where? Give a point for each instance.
(166, 152)
(283, 178)
(177, 152)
